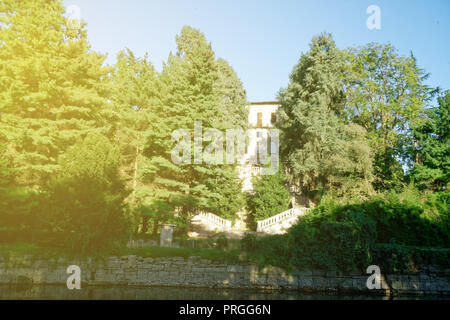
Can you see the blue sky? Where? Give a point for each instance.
(262, 39)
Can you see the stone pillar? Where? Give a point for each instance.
(166, 235)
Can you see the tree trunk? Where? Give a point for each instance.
(144, 224)
(133, 197)
(155, 227)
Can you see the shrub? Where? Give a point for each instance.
(249, 241)
(270, 197)
(408, 219)
(343, 235)
(395, 258)
(338, 239)
(222, 242)
(84, 211)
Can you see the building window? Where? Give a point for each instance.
(259, 120)
(273, 117)
(260, 148)
(259, 145)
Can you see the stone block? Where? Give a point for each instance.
(360, 283)
(347, 283)
(305, 281)
(148, 260)
(320, 283)
(397, 285)
(235, 268)
(163, 276)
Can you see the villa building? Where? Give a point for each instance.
(261, 117)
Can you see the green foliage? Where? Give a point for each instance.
(320, 152)
(369, 94)
(16, 203)
(194, 87)
(135, 97)
(222, 242)
(53, 88)
(84, 210)
(405, 218)
(346, 235)
(438, 204)
(307, 114)
(45, 252)
(338, 239)
(74, 134)
(395, 258)
(431, 153)
(350, 167)
(271, 251)
(385, 95)
(269, 197)
(226, 197)
(232, 97)
(249, 242)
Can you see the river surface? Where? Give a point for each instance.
(60, 292)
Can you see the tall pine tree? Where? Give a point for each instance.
(52, 86)
(308, 114)
(315, 141)
(431, 154)
(195, 87)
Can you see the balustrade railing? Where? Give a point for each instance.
(256, 171)
(262, 225)
(280, 218)
(218, 221)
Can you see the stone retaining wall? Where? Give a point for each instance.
(196, 272)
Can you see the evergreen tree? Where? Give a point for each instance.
(17, 204)
(431, 169)
(226, 197)
(308, 112)
(195, 86)
(232, 97)
(186, 96)
(320, 149)
(269, 197)
(134, 98)
(84, 207)
(52, 86)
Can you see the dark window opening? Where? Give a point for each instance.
(273, 117)
(259, 120)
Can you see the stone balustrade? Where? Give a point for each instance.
(280, 218)
(256, 171)
(223, 224)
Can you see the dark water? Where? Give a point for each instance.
(59, 292)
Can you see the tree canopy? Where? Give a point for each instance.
(431, 152)
(315, 140)
(86, 149)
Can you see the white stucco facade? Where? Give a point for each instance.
(265, 110)
(261, 118)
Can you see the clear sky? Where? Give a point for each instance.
(264, 39)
